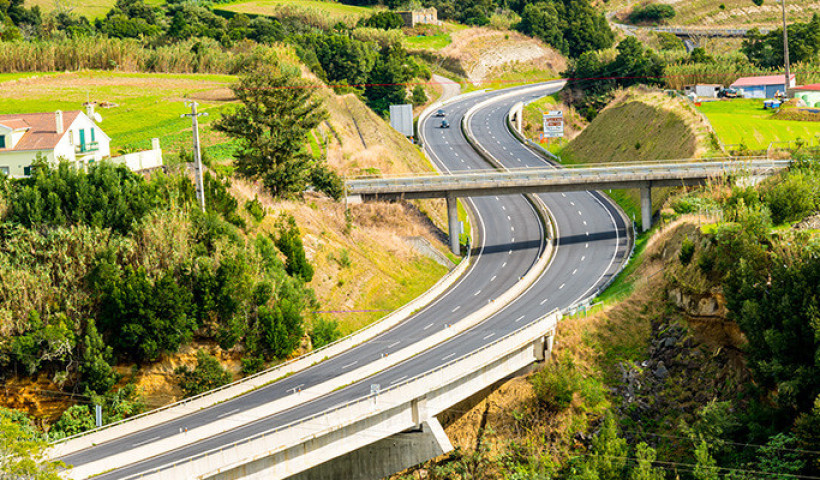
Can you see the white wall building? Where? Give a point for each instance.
(70, 136)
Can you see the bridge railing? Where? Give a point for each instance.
(588, 173)
(529, 332)
(679, 161)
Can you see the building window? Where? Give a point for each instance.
(27, 171)
(2, 141)
(70, 137)
(92, 134)
(4, 171)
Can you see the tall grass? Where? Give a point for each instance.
(102, 53)
(725, 70)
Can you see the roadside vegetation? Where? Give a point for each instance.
(704, 370)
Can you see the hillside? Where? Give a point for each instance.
(735, 13)
(640, 125)
(366, 264)
(485, 57)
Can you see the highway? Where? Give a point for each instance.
(591, 247)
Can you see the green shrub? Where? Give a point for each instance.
(327, 181)
(252, 364)
(289, 242)
(555, 385)
(255, 209)
(652, 13)
(687, 250)
(207, 375)
(792, 198)
(324, 332)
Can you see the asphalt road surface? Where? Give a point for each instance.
(590, 248)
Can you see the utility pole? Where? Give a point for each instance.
(786, 51)
(200, 187)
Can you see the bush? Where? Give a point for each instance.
(687, 250)
(289, 242)
(327, 181)
(255, 209)
(555, 385)
(652, 13)
(208, 375)
(324, 332)
(252, 364)
(791, 199)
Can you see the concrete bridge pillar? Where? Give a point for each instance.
(646, 208)
(453, 224)
(543, 347)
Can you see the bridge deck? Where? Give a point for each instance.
(491, 182)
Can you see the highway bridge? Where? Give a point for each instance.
(642, 176)
(534, 256)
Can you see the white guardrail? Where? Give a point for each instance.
(189, 405)
(281, 437)
(179, 409)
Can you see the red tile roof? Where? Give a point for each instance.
(15, 124)
(763, 80)
(814, 87)
(42, 133)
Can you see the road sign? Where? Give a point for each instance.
(401, 118)
(554, 124)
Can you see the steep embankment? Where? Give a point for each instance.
(653, 360)
(733, 13)
(485, 56)
(367, 263)
(640, 125)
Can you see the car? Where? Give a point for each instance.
(729, 93)
(445, 124)
(440, 113)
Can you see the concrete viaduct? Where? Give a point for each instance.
(643, 176)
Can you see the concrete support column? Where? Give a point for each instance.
(453, 225)
(646, 208)
(519, 114)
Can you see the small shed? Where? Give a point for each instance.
(703, 90)
(810, 94)
(765, 86)
(423, 15)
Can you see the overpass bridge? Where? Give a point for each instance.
(643, 176)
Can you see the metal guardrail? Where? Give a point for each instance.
(366, 398)
(708, 32)
(529, 176)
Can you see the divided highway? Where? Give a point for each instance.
(591, 246)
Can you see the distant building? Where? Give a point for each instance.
(71, 136)
(415, 17)
(703, 90)
(764, 86)
(810, 94)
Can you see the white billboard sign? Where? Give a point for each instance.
(554, 124)
(401, 118)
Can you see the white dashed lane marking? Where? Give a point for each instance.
(456, 309)
(428, 326)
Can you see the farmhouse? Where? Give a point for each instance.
(764, 86)
(707, 90)
(424, 15)
(810, 94)
(68, 136)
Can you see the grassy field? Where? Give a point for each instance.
(89, 8)
(638, 127)
(333, 10)
(740, 13)
(745, 121)
(428, 42)
(149, 105)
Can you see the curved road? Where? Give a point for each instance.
(590, 248)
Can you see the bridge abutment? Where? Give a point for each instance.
(385, 457)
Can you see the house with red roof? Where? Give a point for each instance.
(765, 86)
(810, 94)
(71, 136)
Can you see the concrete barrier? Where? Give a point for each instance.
(196, 403)
(289, 449)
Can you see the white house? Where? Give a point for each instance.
(70, 136)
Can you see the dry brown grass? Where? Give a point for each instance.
(485, 53)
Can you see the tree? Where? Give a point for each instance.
(644, 470)
(23, 451)
(570, 26)
(705, 466)
(289, 242)
(271, 126)
(95, 369)
(767, 50)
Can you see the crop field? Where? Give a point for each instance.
(333, 10)
(148, 105)
(739, 13)
(89, 8)
(744, 121)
